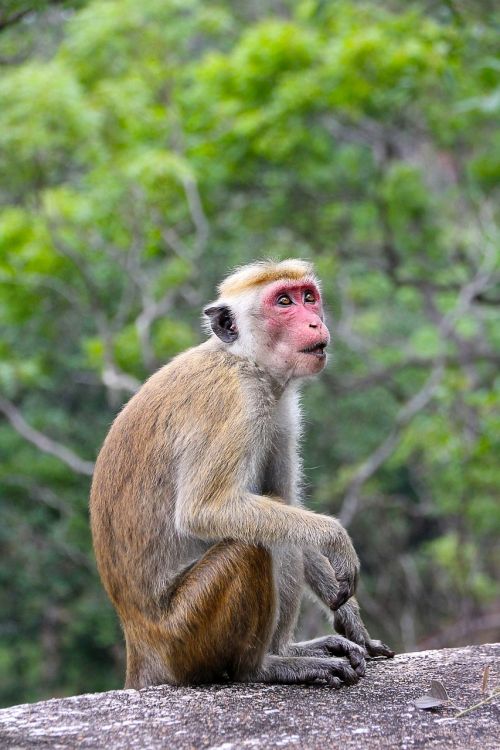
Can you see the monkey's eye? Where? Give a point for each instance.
(284, 300)
(309, 297)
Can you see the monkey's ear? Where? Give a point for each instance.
(222, 322)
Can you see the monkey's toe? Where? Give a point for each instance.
(342, 670)
(357, 661)
(377, 648)
(333, 681)
(348, 675)
(355, 655)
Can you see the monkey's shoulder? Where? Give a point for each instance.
(209, 381)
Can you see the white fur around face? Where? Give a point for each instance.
(243, 307)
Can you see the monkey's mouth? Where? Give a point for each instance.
(318, 350)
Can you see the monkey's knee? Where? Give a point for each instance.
(219, 620)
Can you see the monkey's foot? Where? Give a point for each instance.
(306, 669)
(332, 645)
(377, 648)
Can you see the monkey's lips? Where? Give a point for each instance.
(317, 350)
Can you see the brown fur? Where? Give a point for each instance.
(215, 609)
(217, 623)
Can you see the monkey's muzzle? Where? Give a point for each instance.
(317, 350)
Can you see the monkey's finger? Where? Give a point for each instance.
(343, 595)
(347, 585)
(377, 648)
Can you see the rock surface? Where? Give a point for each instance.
(376, 713)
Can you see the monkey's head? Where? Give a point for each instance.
(272, 313)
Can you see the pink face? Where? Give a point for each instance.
(293, 317)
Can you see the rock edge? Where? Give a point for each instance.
(376, 713)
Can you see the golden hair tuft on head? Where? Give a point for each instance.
(264, 272)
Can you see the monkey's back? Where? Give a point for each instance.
(136, 478)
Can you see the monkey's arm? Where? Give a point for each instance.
(320, 577)
(212, 506)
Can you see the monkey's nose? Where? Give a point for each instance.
(313, 325)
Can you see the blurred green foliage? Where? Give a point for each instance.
(147, 148)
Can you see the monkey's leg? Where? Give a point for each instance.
(289, 569)
(290, 585)
(217, 623)
(347, 621)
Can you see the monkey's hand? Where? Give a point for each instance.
(320, 577)
(345, 563)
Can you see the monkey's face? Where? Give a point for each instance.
(296, 335)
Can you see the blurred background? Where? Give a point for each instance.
(146, 148)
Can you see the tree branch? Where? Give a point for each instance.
(116, 380)
(7, 21)
(418, 401)
(197, 213)
(42, 442)
(192, 193)
(384, 374)
(414, 405)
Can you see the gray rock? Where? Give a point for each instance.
(377, 713)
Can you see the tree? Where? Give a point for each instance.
(155, 146)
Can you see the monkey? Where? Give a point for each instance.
(200, 536)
